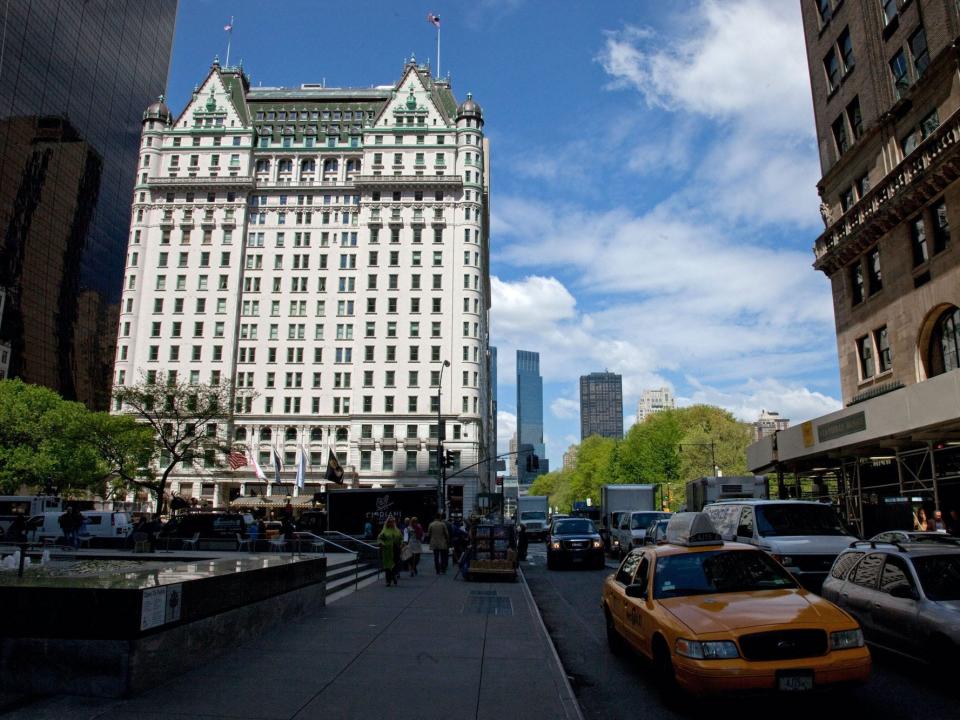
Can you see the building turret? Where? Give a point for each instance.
(470, 110)
(158, 111)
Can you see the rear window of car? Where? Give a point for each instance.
(843, 564)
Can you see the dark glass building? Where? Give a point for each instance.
(529, 414)
(601, 405)
(75, 76)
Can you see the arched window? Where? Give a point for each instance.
(308, 166)
(944, 348)
(266, 435)
(285, 166)
(290, 434)
(240, 435)
(341, 434)
(330, 165)
(316, 435)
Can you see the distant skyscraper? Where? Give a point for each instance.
(768, 423)
(75, 76)
(570, 457)
(601, 405)
(492, 444)
(654, 400)
(529, 412)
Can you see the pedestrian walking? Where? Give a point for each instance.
(412, 547)
(439, 540)
(459, 540)
(368, 527)
(17, 532)
(390, 540)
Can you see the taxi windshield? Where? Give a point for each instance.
(939, 576)
(573, 527)
(790, 519)
(720, 571)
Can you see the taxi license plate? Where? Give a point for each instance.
(795, 681)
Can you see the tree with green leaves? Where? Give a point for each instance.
(186, 421)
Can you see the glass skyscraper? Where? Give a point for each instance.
(529, 414)
(75, 76)
(601, 405)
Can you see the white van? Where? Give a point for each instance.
(804, 537)
(98, 524)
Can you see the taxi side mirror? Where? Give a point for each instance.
(903, 591)
(636, 591)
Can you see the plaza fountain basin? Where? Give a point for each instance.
(111, 627)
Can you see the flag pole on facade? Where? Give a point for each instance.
(257, 470)
(228, 29)
(435, 21)
(301, 468)
(277, 465)
(334, 469)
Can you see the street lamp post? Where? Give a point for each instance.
(441, 465)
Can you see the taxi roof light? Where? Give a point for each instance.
(692, 529)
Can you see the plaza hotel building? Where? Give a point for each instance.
(326, 250)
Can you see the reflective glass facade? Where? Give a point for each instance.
(529, 413)
(75, 77)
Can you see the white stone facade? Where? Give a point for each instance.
(654, 400)
(328, 265)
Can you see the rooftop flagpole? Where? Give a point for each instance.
(229, 30)
(435, 21)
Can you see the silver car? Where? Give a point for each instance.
(906, 597)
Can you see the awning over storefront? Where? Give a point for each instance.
(272, 501)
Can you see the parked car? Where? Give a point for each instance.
(911, 536)
(633, 528)
(574, 541)
(905, 597)
(657, 532)
(103, 526)
(805, 537)
(208, 525)
(717, 616)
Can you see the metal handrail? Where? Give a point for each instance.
(324, 540)
(353, 539)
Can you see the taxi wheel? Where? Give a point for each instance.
(614, 641)
(663, 666)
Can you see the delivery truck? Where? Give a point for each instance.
(532, 514)
(702, 491)
(623, 498)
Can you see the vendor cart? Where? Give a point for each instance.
(493, 551)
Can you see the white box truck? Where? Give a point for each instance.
(702, 491)
(532, 514)
(622, 499)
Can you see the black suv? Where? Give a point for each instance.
(574, 541)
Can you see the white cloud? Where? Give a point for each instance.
(565, 408)
(506, 427)
(744, 60)
(535, 300)
(792, 401)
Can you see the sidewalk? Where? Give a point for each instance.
(432, 647)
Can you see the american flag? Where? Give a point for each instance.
(433, 19)
(237, 459)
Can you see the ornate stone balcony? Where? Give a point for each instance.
(447, 181)
(924, 173)
(240, 181)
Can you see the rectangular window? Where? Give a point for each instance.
(411, 461)
(865, 354)
(388, 460)
(839, 128)
(826, 11)
(855, 118)
(918, 242)
(874, 276)
(831, 66)
(846, 50)
(856, 283)
(941, 227)
(898, 70)
(883, 349)
(919, 51)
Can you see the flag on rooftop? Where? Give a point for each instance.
(433, 19)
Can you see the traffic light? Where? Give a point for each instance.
(533, 463)
(446, 459)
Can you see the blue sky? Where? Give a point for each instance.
(653, 182)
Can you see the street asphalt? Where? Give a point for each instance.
(432, 647)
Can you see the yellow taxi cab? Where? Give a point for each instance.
(718, 617)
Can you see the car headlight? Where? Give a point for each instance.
(707, 650)
(597, 544)
(555, 545)
(846, 639)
